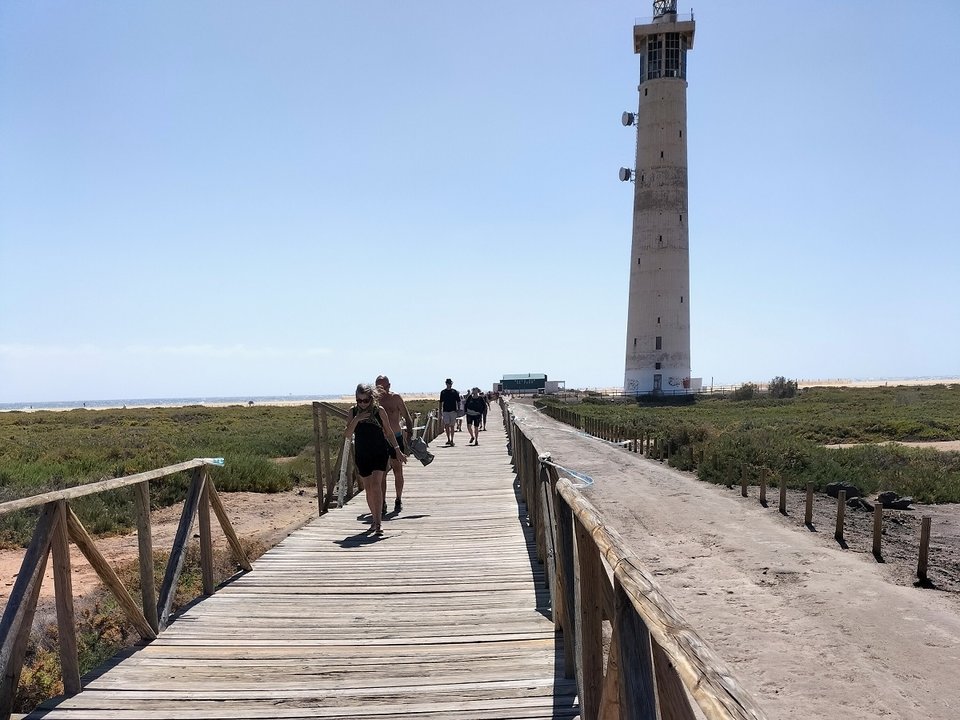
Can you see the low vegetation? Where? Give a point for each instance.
(716, 436)
(42, 451)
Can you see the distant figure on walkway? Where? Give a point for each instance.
(486, 406)
(449, 402)
(395, 407)
(374, 445)
(474, 406)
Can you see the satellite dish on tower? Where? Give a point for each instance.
(625, 174)
(628, 119)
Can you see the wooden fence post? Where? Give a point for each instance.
(783, 495)
(671, 695)
(743, 480)
(763, 486)
(589, 619)
(319, 449)
(565, 572)
(66, 619)
(325, 456)
(148, 586)
(841, 507)
(808, 513)
(21, 606)
(638, 698)
(924, 548)
(206, 540)
(877, 529)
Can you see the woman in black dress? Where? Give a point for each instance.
(374, 444)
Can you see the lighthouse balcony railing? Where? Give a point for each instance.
(679, 17)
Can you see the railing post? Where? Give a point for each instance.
(178, 553)
(545, 491)
(877, 529)
(924, 548)
(66, 618)
(841, 507)
(148, 589)
(206, 540)
(565, 573)
(589, 618)
(808, 511)
(318, 450)
(638, 696)
(21, 606)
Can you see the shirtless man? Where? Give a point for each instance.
(395, 407)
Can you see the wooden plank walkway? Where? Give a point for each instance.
(443, 617)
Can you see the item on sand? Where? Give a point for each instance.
(421, 451)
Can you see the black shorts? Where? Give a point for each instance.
(369, 460)
(474, 419)
(400, 445)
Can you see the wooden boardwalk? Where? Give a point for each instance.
(443, 617)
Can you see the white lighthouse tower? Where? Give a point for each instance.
(658, 317)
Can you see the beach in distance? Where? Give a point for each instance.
(285, 400)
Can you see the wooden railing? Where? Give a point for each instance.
(656, 663)
(57, 525)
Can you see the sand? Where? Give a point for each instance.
(262, 517)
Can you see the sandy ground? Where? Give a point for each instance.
(267, 518)
(942, 445)
(810, 629)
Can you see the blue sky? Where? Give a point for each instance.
(253, 198)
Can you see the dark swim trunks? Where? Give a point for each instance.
(399, 436)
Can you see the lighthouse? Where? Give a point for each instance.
(658, 314)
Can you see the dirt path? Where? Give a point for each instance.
(267, 518)
(810, 629)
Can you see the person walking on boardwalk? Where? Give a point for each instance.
(474, 406)
(374, 445)
(395, 407)
(449, 401)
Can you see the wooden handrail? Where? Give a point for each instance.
(57, 524)
(655, 657)
(98, 487)
(705, 675)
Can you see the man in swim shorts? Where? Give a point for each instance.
(395, 407)
(449, 402)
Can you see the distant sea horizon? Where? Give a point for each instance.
(221, 400)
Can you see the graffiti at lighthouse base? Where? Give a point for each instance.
(675, 384)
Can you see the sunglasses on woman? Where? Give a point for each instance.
(363, 401)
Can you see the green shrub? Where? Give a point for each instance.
(781, 388)
(787, 437)
(747, 391)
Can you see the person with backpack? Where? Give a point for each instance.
(474, 406)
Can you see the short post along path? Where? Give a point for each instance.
(444, 617)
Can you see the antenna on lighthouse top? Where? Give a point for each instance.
(664, 7)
